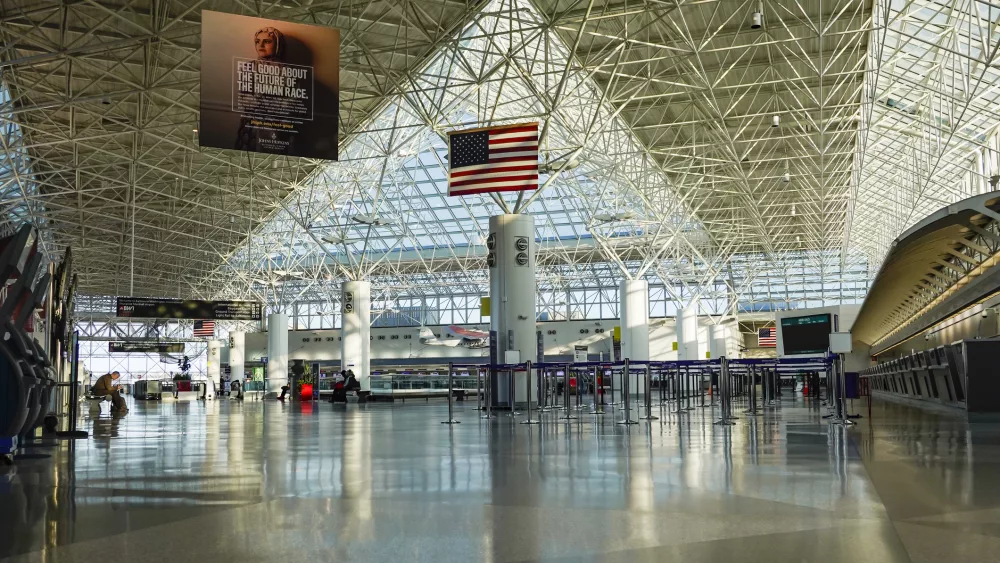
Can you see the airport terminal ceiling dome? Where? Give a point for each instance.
(682, 142)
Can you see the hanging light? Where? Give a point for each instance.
(757, 17)
(793, 209)
(775, 120)
(786, 177)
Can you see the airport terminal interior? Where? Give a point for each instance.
(500, 281)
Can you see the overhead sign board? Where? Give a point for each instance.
(146, 347)
(269, 86)
(141, 307)
(807, 334)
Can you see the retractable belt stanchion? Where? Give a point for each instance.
(841, 386)
(677, 385)
(451, 387)
(701, 386)
(611, 380)
(513, 394)
(726, 391)
(626, 392)
(752, 399)
(579, 389)
(527, 390)
(488, 391)
(711, 376)
(661, 387)
(690, 384)
(479, 390)
(648, 395)
(768, 383)
(598, 391)
(569, 413)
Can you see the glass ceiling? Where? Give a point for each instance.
(385, 203)
(930, 115)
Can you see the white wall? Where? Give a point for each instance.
(319, 345)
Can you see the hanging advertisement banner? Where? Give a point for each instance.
(269, 86)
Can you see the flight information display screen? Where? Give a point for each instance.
(140, 307)
(806, 335)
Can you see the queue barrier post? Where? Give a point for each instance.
(648, 395)
(527, 390)
(569, 413)
(451, 392)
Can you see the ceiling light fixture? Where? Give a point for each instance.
(757, 17)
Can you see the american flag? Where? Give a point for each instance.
(204, 329)
(497, 159)
(766, 338)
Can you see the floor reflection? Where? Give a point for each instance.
(253, 481)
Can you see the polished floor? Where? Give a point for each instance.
(227, 482)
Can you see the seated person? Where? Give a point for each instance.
(351, 382)
(106, 385)
(339, 393)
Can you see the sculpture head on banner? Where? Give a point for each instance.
(269, 43)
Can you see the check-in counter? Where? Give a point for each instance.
(963, 375)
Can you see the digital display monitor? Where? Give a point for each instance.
(806, 335)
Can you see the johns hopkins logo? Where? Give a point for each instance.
(274, 136)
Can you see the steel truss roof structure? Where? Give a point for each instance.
(682, 145)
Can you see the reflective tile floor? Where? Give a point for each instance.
(227, 482)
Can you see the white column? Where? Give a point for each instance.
(633, 302)
(718, 338)
(511, 260)
(687, 332)
(277, 354)
(237, 354)
(214, 367)
(355, 341)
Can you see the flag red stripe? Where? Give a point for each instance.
(514, 140)
(512, 149)
(461, 183)
(503, 159)
(518, 129)
(492, 170)
(487, 190)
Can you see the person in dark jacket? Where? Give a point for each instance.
(107, 385)
(351, 383)
(339, 394)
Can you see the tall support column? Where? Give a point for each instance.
(511, 262)
(237, 354)
(214, 367)
(633, 299)
(718, 338)
(687, 332)
(355, 341)
(277, 354)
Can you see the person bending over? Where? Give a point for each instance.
(107, 385)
